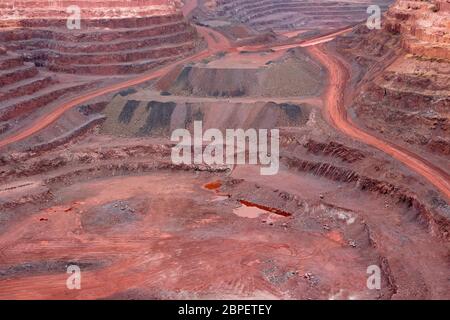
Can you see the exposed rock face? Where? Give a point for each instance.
(285, 15)
(406, 95)
(16, 13)
(24, 88)
(424, 26)
(114, 38)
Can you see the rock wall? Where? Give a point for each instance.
(115, 37)
(403, 94)
(423, 25)
(295, 14)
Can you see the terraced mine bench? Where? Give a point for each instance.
(292, 14)
(115, 38)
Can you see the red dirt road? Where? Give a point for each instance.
(337, 114)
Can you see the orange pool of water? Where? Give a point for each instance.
(213, 185)
(265, 208)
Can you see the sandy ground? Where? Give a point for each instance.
(148, 237)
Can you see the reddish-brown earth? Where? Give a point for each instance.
(405, 86)
(86, 176)
(113, 38)
(46, 63)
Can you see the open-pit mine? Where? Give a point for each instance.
(93, 205)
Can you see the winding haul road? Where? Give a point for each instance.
(335, 110)
(334, 99)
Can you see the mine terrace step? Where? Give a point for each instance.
(349, 11)
(134, 67)
(92, 34)
(25, 87)
(319, 11)
(8, 61)
(302, 8)
(307, 14)
(118, 56)
(261, 4)
(17, 74)
(16, 107)
(96, 46)
(120, 22)
(247, 10)
(100, 16)
(81, 3)
(287, 17)
(87, 5)
(254, 6)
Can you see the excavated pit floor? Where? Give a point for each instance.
(149, 237)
